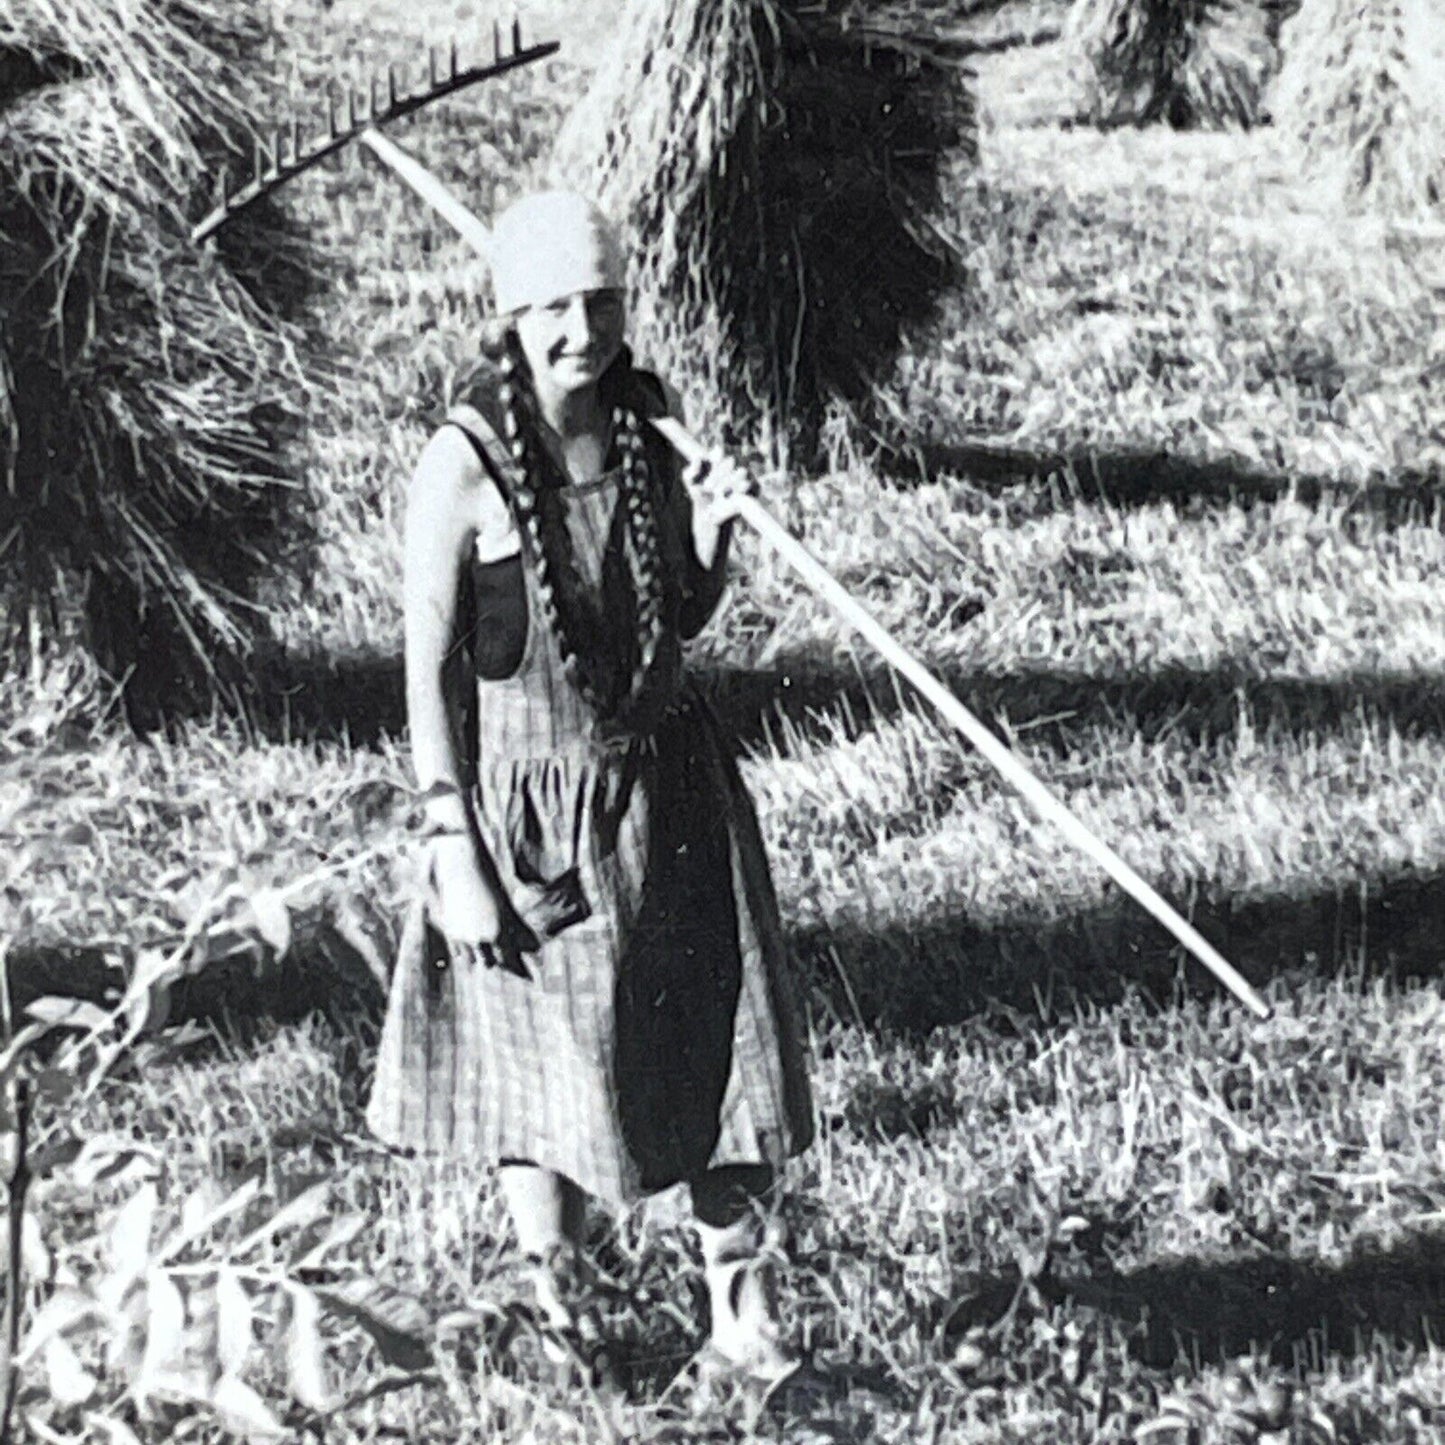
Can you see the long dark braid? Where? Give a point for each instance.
(537, 509)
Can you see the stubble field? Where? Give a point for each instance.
(1168, 516)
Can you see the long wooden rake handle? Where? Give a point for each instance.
(471, 229)
(827, 587)
(824, 585)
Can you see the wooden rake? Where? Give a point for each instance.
(814, 575)
(288, 151)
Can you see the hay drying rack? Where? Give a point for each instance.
(383, 101)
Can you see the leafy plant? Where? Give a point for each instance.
(181, 1301)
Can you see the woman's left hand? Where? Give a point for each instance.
(717, 484)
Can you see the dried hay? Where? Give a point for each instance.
(779, 167)
(1187, 62)
(140, 382)
(1361, 98)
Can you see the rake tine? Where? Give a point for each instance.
(363, 104)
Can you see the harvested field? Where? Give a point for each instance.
(1160, 497)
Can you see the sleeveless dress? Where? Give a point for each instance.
(657, 1035)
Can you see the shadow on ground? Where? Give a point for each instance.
(900, 972)
(1064, 710)
(1196, 1313)
(1297, 1312)
(898, 978)
(241, 987)
(905, 973)
(911, 977)
(1039, 482)
(361, 698)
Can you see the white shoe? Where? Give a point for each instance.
(746, 1335)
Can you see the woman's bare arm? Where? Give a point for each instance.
(441, 523)
(451, 502)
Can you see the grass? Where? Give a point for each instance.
(1163, 503)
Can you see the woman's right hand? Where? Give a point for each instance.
(467, 911)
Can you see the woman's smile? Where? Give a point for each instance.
(585, 359)
(572, 340)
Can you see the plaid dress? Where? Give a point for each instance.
(656, 1036)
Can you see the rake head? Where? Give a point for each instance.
(288, 151)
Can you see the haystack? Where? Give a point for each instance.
(1361, 98)
(1187, 62)
(780, 167)
(142, 381)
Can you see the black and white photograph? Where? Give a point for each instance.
(722, 720)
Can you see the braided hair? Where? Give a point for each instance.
(536, 503)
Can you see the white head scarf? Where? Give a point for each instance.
(549, 245)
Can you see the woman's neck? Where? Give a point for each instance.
(578, 423)
(572, 414)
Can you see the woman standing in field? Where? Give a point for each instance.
(595, 1001)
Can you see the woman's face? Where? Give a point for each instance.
(571, 341)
